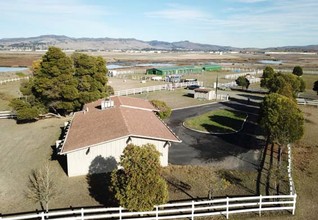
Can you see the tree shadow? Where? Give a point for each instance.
(235, 180)
(259, 98)
(246, 101)
(99, 180)
(180, 186)
(240, 105)
(231, 123)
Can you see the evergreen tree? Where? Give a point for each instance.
(315, 88)
(138, 186)
(288, 84)
(91, 75)
(268, 73)
(281, 119)
(298, 71)
(62, 85)
(54, 84)
(243, 82)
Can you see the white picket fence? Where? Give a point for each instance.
(141, 90)
(13, 80)
(225, 207)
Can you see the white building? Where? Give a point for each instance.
(98, 135)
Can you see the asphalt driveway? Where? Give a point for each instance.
(233, 151)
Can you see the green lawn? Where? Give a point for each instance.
(220, 121)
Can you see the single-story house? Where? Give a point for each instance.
(96, 137)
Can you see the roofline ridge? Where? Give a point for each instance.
(164, 123)
(67, 132)
(124, 119)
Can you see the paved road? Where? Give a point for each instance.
(234, 151)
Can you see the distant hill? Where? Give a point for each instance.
(69, 43)
(309, 48)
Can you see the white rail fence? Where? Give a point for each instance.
(302, 101)
(13, 80)
(289, 171)
(141, 90)
(7, 114)
(233, 83)
(236, 75)
(225, 207)
(310, 72)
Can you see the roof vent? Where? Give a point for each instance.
(107, 103)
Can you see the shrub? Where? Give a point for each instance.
(164, 109)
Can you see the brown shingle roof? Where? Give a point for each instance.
(128, 117)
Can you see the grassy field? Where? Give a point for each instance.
(7, 92)
(309, 80)
(220, 121)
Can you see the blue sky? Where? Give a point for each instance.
(239, 23)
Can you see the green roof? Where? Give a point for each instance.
(177, 68)
(211, 66)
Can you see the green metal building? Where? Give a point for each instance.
(211, 67)
(163, 71)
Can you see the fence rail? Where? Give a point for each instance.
(7, 114)
(302, 101)
(13, 80)
(141, 90)
(225, 207)
(236, 75)
(233, 83)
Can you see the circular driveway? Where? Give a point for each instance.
(241, 150)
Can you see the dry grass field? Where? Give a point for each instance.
(181, 58)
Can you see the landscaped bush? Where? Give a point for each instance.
(164, 110)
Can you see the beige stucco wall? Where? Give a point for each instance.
(104, 157)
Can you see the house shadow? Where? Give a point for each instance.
(55, 152)
(99, 180)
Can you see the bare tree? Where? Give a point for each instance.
(41, 186)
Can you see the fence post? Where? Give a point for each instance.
(82, 213)
(294, 206)
(42, 216)
(157, 214)
(260, 205)
(120, 217)
(227, 207)
(192, 213)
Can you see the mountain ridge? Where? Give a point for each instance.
(42, 42)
